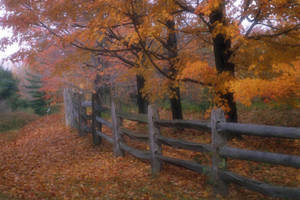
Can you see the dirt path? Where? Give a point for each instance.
(48, 161)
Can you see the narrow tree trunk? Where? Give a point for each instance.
(141, 100)
(222, 53)
(172, 55)
(176, 104)
(96, 112)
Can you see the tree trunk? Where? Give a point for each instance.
(141, 100)
(176, 104)
(172, 55)
(222, 53)
(96, 112)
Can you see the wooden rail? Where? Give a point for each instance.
(258, 156)
(260, 130)
(140, 137)
(134, 117)
(104, 122)
(196, 167)
(135, 152)
(86, 104)
(193, 124)
(185, 145)
(218, 149)
(266, 189)
(106, 137)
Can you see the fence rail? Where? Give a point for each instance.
(193, 124)
(135, 152)
(134, 117)
(258, 156)
(104, 122)
(260, 130)
(266, 189)
(140, 137)
(106, 137)
(218, 149)
(185, 145)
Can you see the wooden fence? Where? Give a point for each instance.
(218, 149)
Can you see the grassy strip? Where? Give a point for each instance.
(4, 197)
(14, 120)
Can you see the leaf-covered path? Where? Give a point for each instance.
(48, 161)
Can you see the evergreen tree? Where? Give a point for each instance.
(9, 90)
(38, 102)
(8, 84)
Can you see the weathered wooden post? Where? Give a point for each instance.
(119, 110)
(116, 130)
(155, 146)
(218, 141)
(79, 117)
(82, 115)
(71, 99)
(96, 111)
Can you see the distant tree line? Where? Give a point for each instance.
(9, 92)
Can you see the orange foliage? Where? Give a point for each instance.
(284, 88)
(136, 34)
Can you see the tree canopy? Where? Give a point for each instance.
(240, 49)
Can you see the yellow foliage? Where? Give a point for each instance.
(199, 70)
(208, 6)
(285, 87)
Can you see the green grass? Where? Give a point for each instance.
(129, 107)
(10, 121)
(4, 197)
(188, 105)
(106, 115)
(259, 104)
(200, 106)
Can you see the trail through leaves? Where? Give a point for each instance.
(49, 161)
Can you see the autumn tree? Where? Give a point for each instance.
(115, 35)
(158, 38)
(168, 43)
(234, 26)
(153, 39)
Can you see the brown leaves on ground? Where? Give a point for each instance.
(48, 161)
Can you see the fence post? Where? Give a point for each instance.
(155, 146)
(82, 121)
(218, 141)
(116, 130)
(96, 105)
(119, 109)
(71, 104)
(79, 116)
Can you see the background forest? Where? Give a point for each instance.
(230, 51)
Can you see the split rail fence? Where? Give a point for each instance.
(218, 149)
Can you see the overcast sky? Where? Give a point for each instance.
(11, 49)
(7, 52)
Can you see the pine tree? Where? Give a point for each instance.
(38, 102)
(8, 84)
